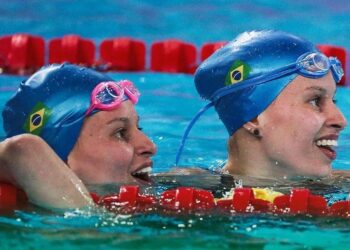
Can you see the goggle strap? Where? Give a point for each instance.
(337, 76)
(222, 92)
(90, 109)
(188, 129)
(290, 69)
(132, 96)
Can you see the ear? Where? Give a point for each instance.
(251, 125)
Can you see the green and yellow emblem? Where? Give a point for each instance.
(37, 119)
(238, 72)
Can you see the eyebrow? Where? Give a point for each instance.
(124, 120)
(323, 90)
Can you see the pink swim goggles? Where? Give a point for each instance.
(109, 95)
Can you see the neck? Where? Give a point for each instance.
(247, 158)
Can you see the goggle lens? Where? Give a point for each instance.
(319, 63)
(109, 95)
(316, 65)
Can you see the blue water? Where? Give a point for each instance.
(164, 119)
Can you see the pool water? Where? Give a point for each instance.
(164, 119)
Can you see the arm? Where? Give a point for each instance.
(29, 163)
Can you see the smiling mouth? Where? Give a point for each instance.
(327, 147)
(143, 174)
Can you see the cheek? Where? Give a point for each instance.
(289, 130)
(123, 154)
(290, 139)
(116, 163)
(276, 123)
(292, 121)
(113, 161)
(305, 125)
(109, 157)
(120, 154)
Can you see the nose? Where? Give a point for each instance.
(335, 118)
(144, 146)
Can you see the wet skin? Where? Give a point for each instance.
(301, 127)
(297, 134)
(112, 148)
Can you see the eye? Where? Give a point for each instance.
(316, 101)
(138, 124)
(121, 134)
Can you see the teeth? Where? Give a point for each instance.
(327, 143)
(144, 171)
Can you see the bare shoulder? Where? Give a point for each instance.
(187, 170)
(193, 176)
(344, 173)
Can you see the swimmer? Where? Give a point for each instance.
(274, 92)
(67, 127)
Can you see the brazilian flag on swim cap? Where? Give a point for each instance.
(238, 72)
(37, 119)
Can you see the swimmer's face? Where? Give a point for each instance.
(112, 148)
(301, 127)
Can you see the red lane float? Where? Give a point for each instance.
(128, 200)
(125, 54)
(340, 208)
(188, 200)
(209, 48)
(301, 201)
(243, 200)
(24, 54)
(11, 197)
(72, 49)
(21, 53)
(173, 56)
(340, 53)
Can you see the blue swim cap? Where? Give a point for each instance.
(52, 104)
(251, 54)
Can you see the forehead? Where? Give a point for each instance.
(301, 85)
(125, 110)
